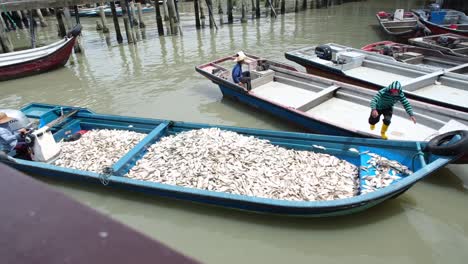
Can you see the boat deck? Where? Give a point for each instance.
(446, 93)
(339, 111)
(379, 77)
(284, 94)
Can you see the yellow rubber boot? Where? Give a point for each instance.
(372, 127)
(383, 131)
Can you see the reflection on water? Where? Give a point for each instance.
(156, 78)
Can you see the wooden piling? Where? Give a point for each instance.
(41, 18)
(127, 23)
(304, 4)
(220, 12)
(202, 14)
(159, 21)
(229, 12)
(77, 17)
(172, 17)
(140, 16)
(61, 25)
(68, 19)
(296, 6)
(197, 14)
(273, 12)
(283, 7)
(116, 23)
(24, 18)
(105, 29)
(5, 41)
(166, 12)
(243, 18)
(209, 5)
(134, 13)
(257, 9)
(32, 30)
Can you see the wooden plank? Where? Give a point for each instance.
(120, 167)
(42, 225)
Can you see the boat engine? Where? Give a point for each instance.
(323, 52)
(42, 144)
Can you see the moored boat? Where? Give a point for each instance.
(442, 87)
(419, 157)
(415, 55)
(400, 25)
(451, 44)
(327, 106)
(441, 21)
(33, 61)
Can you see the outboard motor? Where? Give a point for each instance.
(323, 52)
(443, 41)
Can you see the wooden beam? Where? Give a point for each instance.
(12, 5)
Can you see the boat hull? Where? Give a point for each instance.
(50, 62)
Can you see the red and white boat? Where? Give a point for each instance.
(33, 61)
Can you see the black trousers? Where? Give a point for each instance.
(387, 113)
(246, 79)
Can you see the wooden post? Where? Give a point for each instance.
(61, 26)
(296, 6)
(166, 12)
(253, 7)
(134, 16)
(140, 16)
(24, 18)
(32, 31)
(209, 5)
(68, 20)
(304, 4)
(257, 9)
(243, 18)
(41, 18)
(229, 12)
(127, 23)
(172, 17)
(116, 22)
(5, 41)
(197, 14)
(105, 29)
(202, 14)
(159, 21)
(220, 12)
(273, 12)
(77, 17)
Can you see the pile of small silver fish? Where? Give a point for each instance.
(225, 161)
(385, 173)
(97, 149)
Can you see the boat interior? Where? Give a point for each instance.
(397, 24)
(344, 105)
(446, 42)
(378, 69)
(446, 18)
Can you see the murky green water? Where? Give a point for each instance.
(156, 78)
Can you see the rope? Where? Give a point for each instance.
(9, 17)
(105, 175)
(419, 153)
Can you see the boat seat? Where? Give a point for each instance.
(320, 97)
(259, 78)
(395, 27)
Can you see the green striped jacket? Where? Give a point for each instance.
(384, 100)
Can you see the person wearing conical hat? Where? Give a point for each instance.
(382, 104)
(8, 139)
(239, 77)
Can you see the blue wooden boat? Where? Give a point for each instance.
(324, 105)
(415, 155)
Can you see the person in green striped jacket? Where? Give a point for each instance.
(382, 104)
